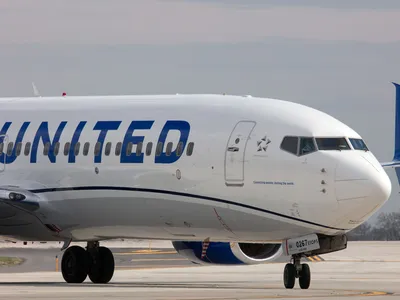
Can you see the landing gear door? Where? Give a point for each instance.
(3, 151)
(235, 153)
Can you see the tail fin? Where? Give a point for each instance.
(395, 163)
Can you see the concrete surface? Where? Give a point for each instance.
(364, 269)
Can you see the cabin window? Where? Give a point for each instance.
(86, 148)
(76, 148)
(290, 144)
(56, 148)
(332, 144)
(18, 149)
(118, 149)
(149, 147)
(189, 150)
(169, 148)
(10, 148)
(306, 145)
(108, 149)
(358, 144)
(139, 147)
(97, 149)
(26, 151)
(159, 148)
(129, 149)
(66, 148)
(179, 149)
(46, 148)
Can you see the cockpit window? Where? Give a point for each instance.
(306, 145)
(332, 144)
(358, 144)
(289, 144)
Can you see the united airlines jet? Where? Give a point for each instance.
(228, 179)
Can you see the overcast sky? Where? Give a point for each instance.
(336, 56)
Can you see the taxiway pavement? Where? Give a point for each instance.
(364, 269)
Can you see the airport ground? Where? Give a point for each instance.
(156, 271)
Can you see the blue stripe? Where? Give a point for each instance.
(165, 192)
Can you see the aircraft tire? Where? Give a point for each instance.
(289, 276)
(305, 277)
(102, 270)
(74, 264)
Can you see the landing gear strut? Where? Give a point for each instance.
(296, 270)
(97, 262)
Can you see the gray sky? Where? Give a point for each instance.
(336, 56)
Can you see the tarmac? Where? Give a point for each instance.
(153, 270)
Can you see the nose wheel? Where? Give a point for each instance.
(297, 270)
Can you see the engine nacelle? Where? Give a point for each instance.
(223, 253)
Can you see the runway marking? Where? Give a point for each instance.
(315, 258)
(148, 267)
(148, 252)
(158, 259)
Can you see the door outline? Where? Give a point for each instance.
(231, 148)
(4, 141)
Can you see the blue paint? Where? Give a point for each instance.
(43, 133)
(75, 140)
(217, 252)
(184, 128)
(11, 158)
(129, 138)
(104, 127)
(3, 132)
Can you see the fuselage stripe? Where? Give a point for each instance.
(166, 192)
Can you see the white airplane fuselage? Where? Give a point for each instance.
(235, 184)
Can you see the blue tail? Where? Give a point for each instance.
(397, 125)
(395, 163)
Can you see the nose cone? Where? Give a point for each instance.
(362, 187)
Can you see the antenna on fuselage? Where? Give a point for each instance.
(35, 90)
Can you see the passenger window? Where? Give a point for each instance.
(139, 147)
(289, 144)
(306, 145)
(179, 149)
(10, 148)
(189, 149)
(86, 148)
(46, 148)
(118, 149)
(108, 149)
(332, 144)
(18, 150)
(76, 149)
(149, 148)
(97, 149)
(66, 148)
(159, 148)
(129, 149)
(27, 148)
(56, 148)
(169, 149)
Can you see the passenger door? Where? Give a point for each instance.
(235, 153)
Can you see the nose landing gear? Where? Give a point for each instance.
(296, 270)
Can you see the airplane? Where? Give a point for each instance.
(228, 179)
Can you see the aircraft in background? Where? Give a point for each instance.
(228, 179)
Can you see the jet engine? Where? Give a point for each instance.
(223, 253)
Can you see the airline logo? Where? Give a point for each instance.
(102, 127)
